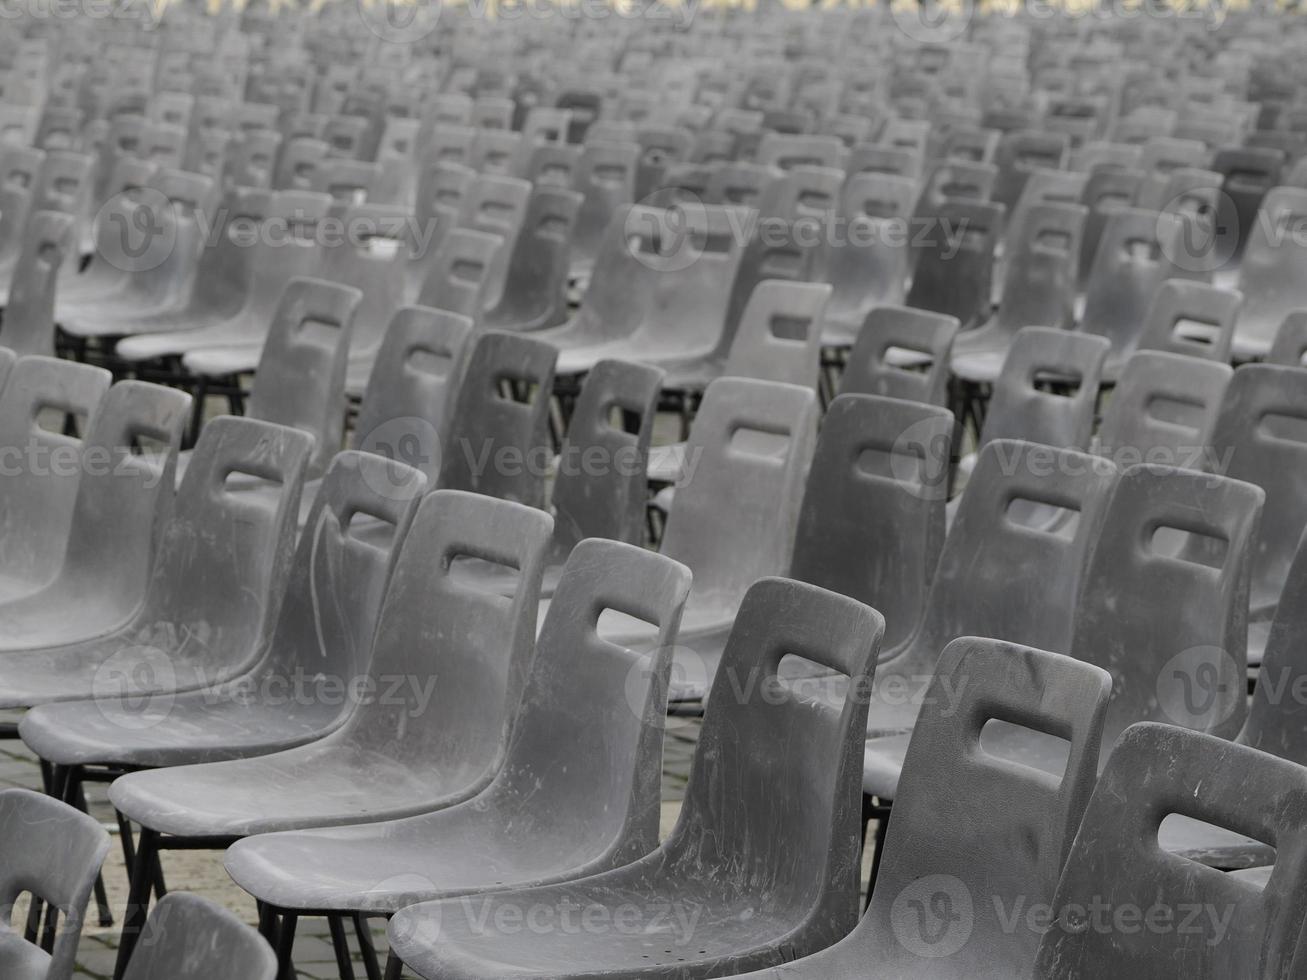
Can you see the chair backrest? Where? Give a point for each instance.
(499, 431)
(954, 273)
(901, 353)
(1273, 274)
(189, 936)
(468, 650)
(1191, 318)
(1043, 186)
(600, 485)
(962, 802)
(460, 272)
(1006, 580)
(338, 576)
(407, 404)
(1106, 191)
(877, 158)
(300, 381)
(585, 755)
(786, 151)
(779, 337)
(29, 315)
(1022, 151)
(1132, 262)
(225, 551)
(226, 267)
(786, 241)
(251, 163)
(1234, 927)
(1163, 410)
(44, 464)
(1259, 437)
(872, 522)
(759, 733)
(370, 256)
(1047, 391)
(535, 288)
(606, 180)
(747, 459)
(1039, 286)
(53, 852)
(870, 266)
(1170, 623)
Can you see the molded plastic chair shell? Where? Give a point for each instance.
(1193, 319)
(1117, 861)
(901, 353)
(964, 795)
(1290, 347)
(454, 735)
(29, 314)
(535, 289)
(774, 872)
(189, 936)
(872, 522)
(585, 818)
(320, 644)
(50, 851)
(954, 274)
(1273, 274)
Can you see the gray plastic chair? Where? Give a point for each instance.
(45, 466)
(478, 645)
(872, 522)
(774, 873)
(997, 577)
(1249, 174)
(460, 272)
(1290, 347)
(585, 819)
(1273, 274)
(787, 151)
(954, 274)
(1106, 191)
(1170, 625)
(1116, 861)
(606, 180)
(499, 426)
(535, 290)
(214, 589)
(1038, 290)
(52, 853)
(901, 353)
(1021, 152)
(316, 647)
(877, 158)
(1134, 259)
(1163, 410)
(121, 501)
(188, 936)
(870, 268)
(949, 873)
(1193, 319)
(287, 248)
(1031, 400)
(29, 314)
(1256, 438)
(300, 378)
(495, 205)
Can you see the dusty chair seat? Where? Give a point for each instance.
(778, 883)
(191, 938)
(583, 819)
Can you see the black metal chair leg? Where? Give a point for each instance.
(340, 945)
(394, 967)
(285, 944)
(138, 898)
(370, 963)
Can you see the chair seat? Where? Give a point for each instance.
(978, 367)
(729, 934)
(221, 362)
(323, 784)
(248, 717)
(381, 868)
(666, 463)
(58, 615)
